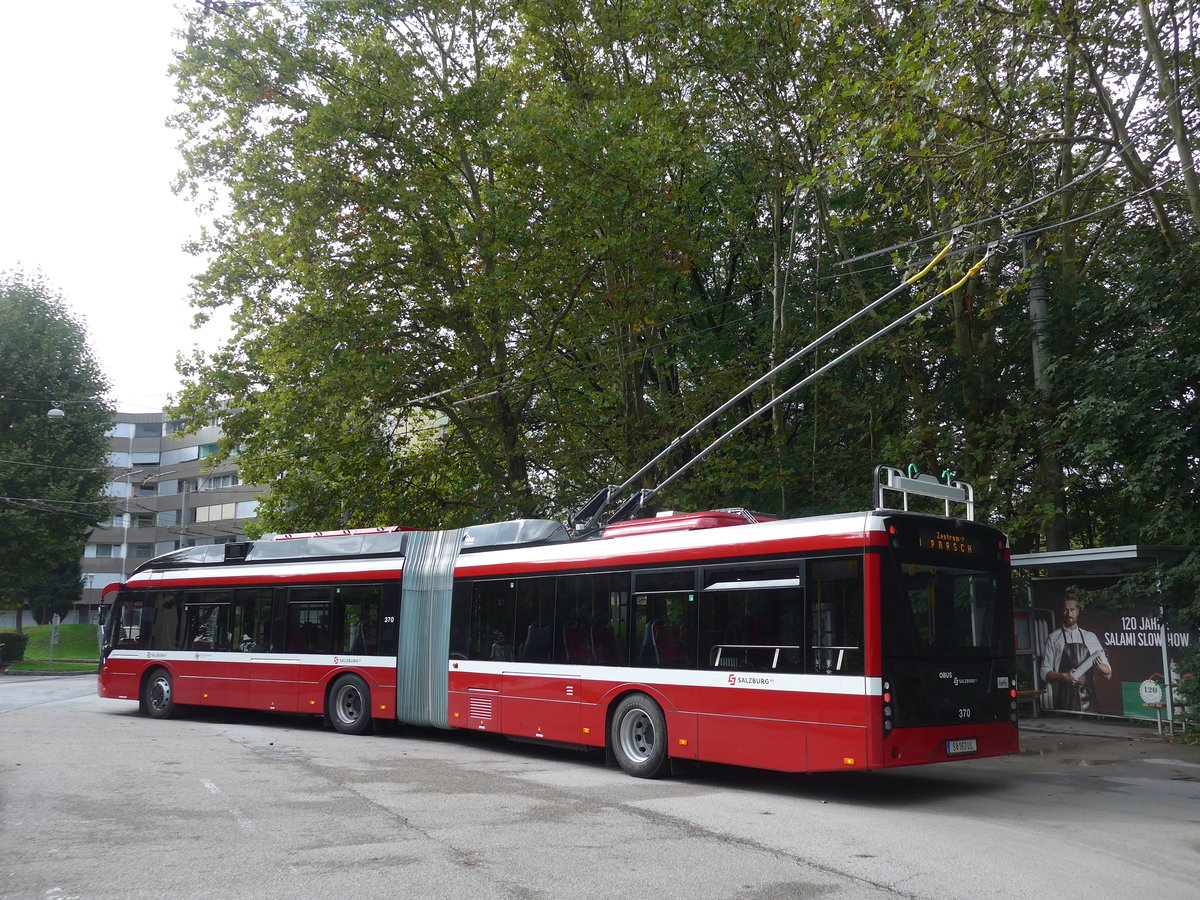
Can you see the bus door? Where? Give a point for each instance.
(251, 630)
(272, 670)
(203, 667)
(296, 674)
(541, 688)
(751, 626)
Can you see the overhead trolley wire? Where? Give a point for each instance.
(589, 515)
(646, 495)
(1185, 165)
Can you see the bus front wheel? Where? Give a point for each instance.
(638, 736)
(158, 695)
(349, 706)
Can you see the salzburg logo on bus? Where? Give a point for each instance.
(735, 680)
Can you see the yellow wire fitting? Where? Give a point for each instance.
(933, 262)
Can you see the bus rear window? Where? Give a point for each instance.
(939, 611)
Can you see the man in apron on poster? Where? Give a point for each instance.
(1073, 657)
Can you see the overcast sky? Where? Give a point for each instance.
(86, 165)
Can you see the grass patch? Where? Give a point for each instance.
(41, 666)
(75, 642)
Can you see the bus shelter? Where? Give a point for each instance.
(1120, 663)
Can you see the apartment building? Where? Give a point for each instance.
(167, 495)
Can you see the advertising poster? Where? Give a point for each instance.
(1096, 661)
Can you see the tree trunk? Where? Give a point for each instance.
(1134, 164)
(1049, 469)
(1174, 114)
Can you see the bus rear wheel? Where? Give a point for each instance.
(158, 695)
(349, 706)
(638, 736)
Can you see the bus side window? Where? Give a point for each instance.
(461, 610)
(358, 618)
(134, 622)
(665, 634)
(163, 626)
(534, 631)
(252, 620)
(308, 622)
(207, 626)
(591, 619)
(493, 611)
(835, 603)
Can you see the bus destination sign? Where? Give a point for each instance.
(945, 541)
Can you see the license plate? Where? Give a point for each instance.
(957, 748)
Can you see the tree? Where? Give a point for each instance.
(485, 258)
(52, 470)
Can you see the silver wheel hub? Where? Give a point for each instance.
(637, 735)
(348, 705)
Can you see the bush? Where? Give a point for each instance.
(12, 646)
(1188, 687)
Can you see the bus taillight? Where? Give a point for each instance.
(887, 708)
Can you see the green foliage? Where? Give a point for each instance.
(13, 646)
(484, 258)
(52, 472)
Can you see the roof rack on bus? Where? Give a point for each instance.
(677, 521)
(514, 533)
(915, 484)
(391, 540)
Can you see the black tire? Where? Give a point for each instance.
(158, 694)
(638, 737)
(349, 705)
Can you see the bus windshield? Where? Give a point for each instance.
(943, 612)
(122, 624)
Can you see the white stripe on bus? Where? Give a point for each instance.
(844, 685)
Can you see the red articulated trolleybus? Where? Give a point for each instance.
(861, 641)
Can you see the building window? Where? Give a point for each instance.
(108, 551)
(147, 430)
(141, 551)
(216, 512)
(180, 455)
(214, 482)
(120, 430)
